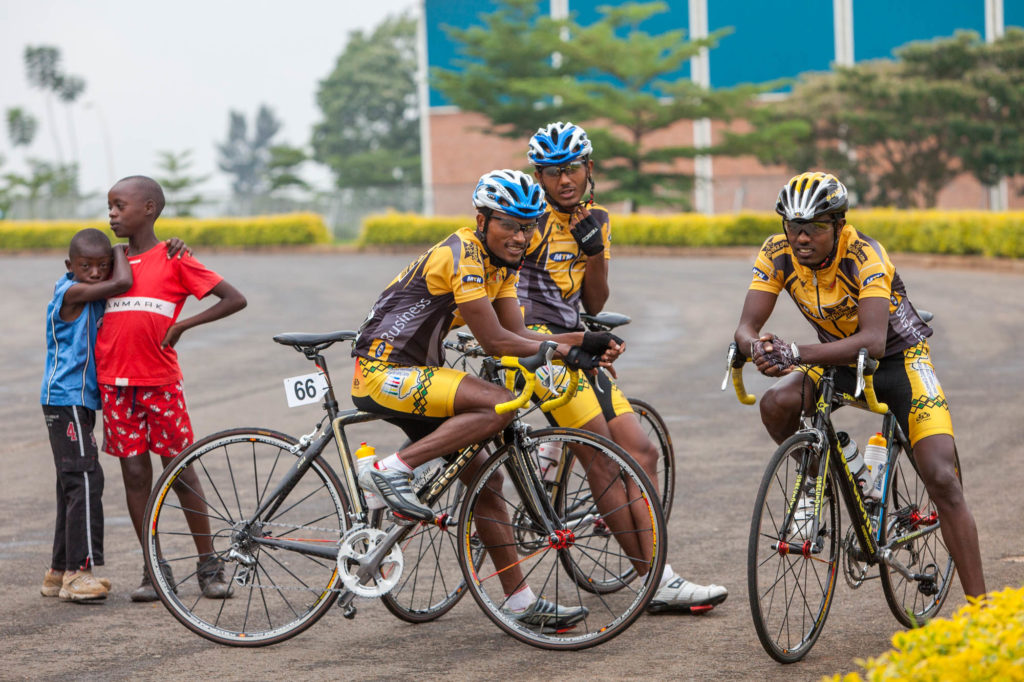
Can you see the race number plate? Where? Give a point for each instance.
(305, 389)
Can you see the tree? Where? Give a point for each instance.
(44, 71)
(246, 157)
(370, 132)
(898, 131)
(21, 127)
(179, 186)
(282, 168)
(620, 81)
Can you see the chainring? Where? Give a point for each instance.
(355, 546)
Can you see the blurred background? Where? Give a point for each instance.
(351, 109)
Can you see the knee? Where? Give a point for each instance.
(779, 405)
(944, 487)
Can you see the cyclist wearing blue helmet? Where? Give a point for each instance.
(566, 266)
(468, 278)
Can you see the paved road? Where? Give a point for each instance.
(684, 310)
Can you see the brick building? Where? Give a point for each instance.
(770, 40)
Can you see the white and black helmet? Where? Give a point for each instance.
(812, 195)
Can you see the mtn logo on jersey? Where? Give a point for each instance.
(561, 256)
(380, 349)
(475, 279)
(760, 275)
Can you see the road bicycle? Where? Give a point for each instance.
(793, 559)
(297, 538)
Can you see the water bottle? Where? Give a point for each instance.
(548, 456)
(364, 460)
(875, 458)
(854, 460)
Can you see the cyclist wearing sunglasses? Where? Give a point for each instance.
(845, 285)
(566, 266)
(468, 278)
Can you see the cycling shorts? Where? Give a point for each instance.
(406, 393)
(907, 383)
(595, 396)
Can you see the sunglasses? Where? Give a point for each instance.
(555, 172)
(811, 229)
(513, 226)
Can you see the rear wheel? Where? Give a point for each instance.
(608, 518)
(908, 510)
(791, 576)
(277, 592)
(431, 582)
(656, 430)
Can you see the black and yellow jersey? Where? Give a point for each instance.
(551, 278)
(409, 321)
(829, 297)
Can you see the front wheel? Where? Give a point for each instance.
(607, 519)
(908, 511)
(791, 569)
(209, 493)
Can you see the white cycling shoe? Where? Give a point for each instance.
(679, 595)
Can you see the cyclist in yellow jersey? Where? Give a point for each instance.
(566, 266)
(844, 284)
(471, 275)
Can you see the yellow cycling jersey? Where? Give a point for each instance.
(551, 278)
(829, 297)
(409, 321)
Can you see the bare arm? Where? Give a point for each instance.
(80, 293)
(231, 301)
(873, 317)
(490, 330)
(594, 292)
(511, 318)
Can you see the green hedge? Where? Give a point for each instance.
(289, 228)
(943, 232)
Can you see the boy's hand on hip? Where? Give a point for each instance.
(172, 336)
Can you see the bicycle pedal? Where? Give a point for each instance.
(698, 610)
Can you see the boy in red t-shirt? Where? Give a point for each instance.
(139, 377)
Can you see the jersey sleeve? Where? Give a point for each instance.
(196, 278)
(467, 278)
(765, 275)
(876, 272)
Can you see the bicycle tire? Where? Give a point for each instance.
(282, 592)
(907, 507)
(623, 488)
(789, 622)
(657, 432)
(432, 582)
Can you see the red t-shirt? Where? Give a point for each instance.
(128, 351)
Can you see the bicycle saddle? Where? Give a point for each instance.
(300, 341)
(604, 321)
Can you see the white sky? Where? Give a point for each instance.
(164, 75)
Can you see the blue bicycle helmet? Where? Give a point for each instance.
(559, 143)
(511, 192)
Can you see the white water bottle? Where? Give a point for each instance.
(875, 458)
(548, 456)
(854, 460)
(364, 460)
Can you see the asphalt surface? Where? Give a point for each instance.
(684, 312)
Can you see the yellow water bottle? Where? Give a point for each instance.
(875, 458)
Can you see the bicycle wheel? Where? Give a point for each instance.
(431, 582)
(791, 589)
(655, 429)
(908, 509)
(278, 593)
(618, 501)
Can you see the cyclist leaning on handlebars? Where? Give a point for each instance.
(566, 265)
(843, 282)
(470, 277)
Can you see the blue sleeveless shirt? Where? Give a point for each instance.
(70, 376)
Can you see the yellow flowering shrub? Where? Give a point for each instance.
(287, 228)
(944, 232)
(981, 641)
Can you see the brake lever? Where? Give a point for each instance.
(730, 356)
(860, 374)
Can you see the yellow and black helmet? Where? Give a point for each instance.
(811, 195)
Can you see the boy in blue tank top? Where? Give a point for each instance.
(70, 397)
